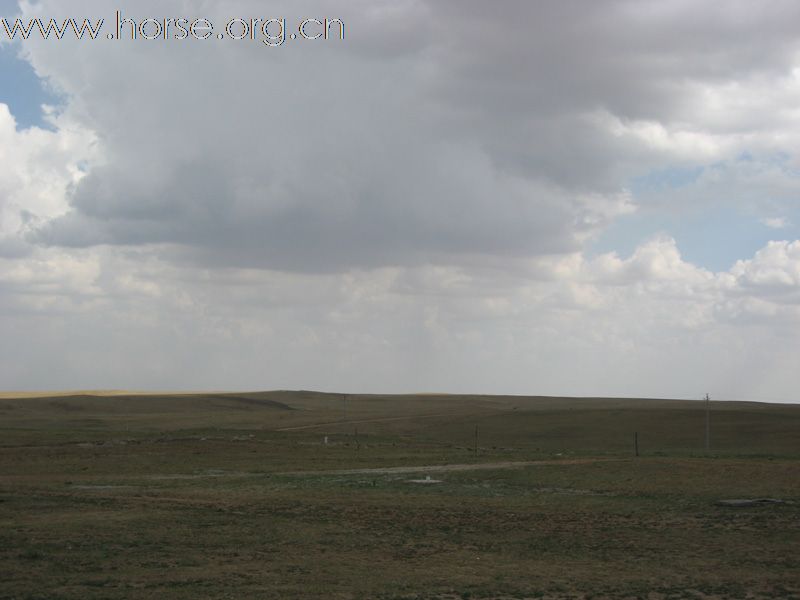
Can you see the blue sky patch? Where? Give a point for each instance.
(20, 88)
(714, 239)
(670, 178)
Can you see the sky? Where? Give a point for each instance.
(555, 198)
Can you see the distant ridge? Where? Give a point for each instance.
(116, 393)
(107, 393)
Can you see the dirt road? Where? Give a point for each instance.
(458, 467)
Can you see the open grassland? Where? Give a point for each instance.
(239, 496)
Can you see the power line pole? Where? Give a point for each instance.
(708, 422)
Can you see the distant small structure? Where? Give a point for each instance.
(427, 480)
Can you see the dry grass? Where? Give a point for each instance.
(220, 496)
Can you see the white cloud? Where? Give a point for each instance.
(593, 324)
(38, 170)
(447, 147)
(774, 269)
(775, 222)
(408, 209)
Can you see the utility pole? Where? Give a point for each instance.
(344, 407)
(708, 422)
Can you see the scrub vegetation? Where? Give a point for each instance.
(310, 495)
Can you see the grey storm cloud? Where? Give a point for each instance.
(434, 203)
(436, 130)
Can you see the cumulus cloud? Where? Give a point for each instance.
(775, 222)
(775, 268)
(38, 171)
(410, 208)
(481, 134)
